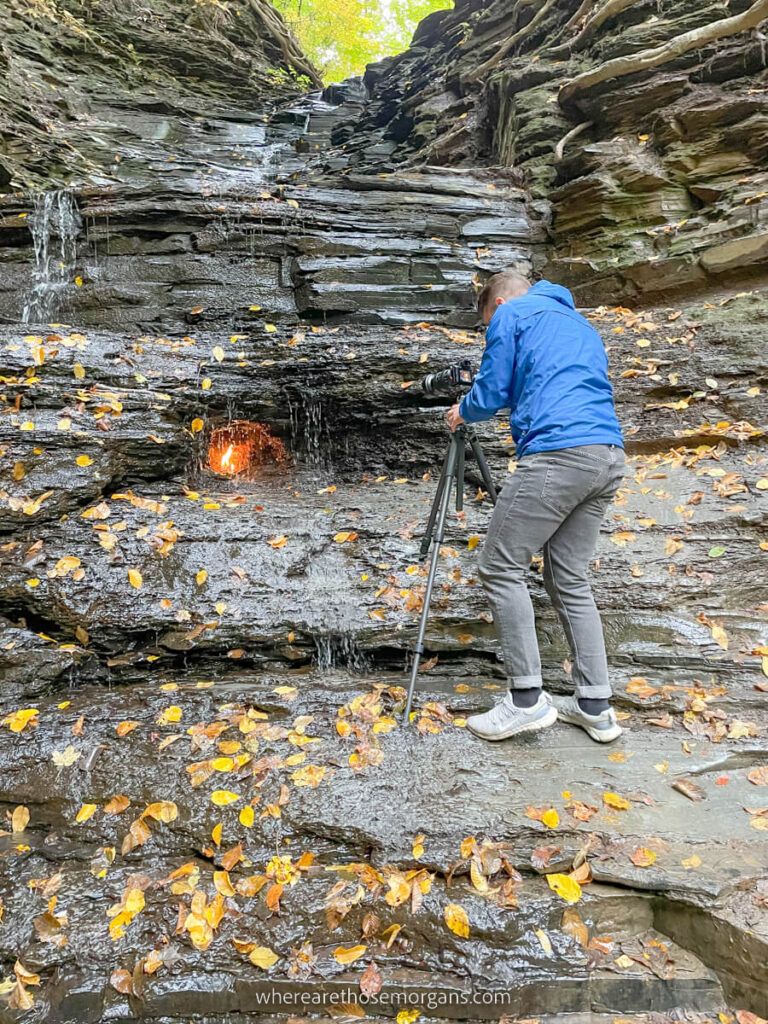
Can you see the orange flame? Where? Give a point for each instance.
(226, 458)
(242, 448)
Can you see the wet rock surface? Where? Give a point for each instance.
(656, 179)
(201, 672)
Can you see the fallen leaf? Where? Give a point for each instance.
(348, 954)
(567, 888)
(457, 920)
(618, 803)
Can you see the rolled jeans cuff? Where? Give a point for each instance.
(599, 692)
(525, 682)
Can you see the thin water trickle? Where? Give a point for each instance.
(55, 225)
(339, 650)
(310, 434)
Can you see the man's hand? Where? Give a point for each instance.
(453, 418)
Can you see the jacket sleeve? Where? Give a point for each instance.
(492, 386)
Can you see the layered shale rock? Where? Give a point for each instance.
(76, 76)
(644, 125)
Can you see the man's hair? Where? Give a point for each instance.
(508, 285)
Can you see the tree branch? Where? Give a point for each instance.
(572, 134)
(517, 37)
(645, 59)
(575, 18)
(608, 10)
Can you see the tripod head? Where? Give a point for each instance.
(459, 375)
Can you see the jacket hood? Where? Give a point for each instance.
(554, 291)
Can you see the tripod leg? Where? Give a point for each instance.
(450, 470)
(426, 540)
(484, 470)
(460, 440)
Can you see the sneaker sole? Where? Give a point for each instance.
(598, 735)
(542, 723)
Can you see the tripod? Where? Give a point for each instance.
(452, 472)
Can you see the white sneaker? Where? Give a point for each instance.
(505, 719)
(603, 728)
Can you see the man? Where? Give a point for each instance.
(546, 363)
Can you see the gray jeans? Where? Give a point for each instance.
(555, 501)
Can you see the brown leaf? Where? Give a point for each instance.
(690, 789)
(371, 980)
(542, 855)
(574, 926)
(122, 981)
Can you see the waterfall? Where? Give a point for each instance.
(55, 224)
(310, 431)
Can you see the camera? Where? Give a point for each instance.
(460, 375)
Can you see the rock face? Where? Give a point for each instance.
(78, 76)
(663, 189)
(201, 672)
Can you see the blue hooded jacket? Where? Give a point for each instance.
(546, 363)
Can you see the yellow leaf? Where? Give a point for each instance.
(310, 775)
(348, 954)
(162, 810)
(550, 818)
(78, 371)
(19, 720)
(567, 888)
(222, 883)
(472, 542)
(170, 715)
(762, 483)
(201, 577)
(408, 1016)
(544, 939)
(270, 328)
(457, 920)
(33, 582)
(478, 879)
(623, 537)
(247, 817)
(135, 579)
(277, 542)
(196, 425)
(66, 565)
(86, 811)
(216, 833)
(78, 282)
(218, 353)
(720, 637)
(263, 957)
(223, 797)
(618, 803)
